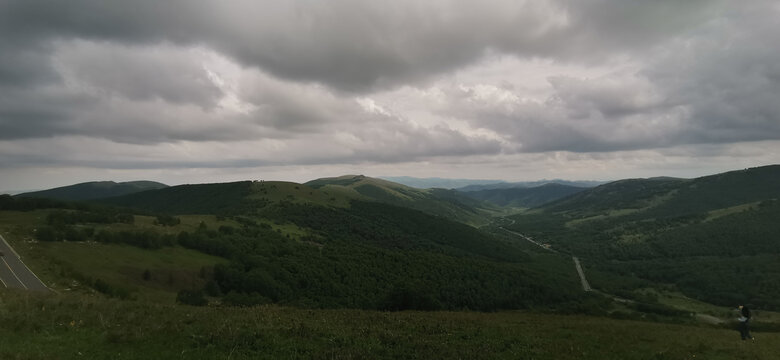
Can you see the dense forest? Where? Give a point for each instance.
(713, 238)
(370, 256)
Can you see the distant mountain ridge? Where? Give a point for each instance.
(531, 184)
(525, 197)
(95, 190)
(477, 184)
(436, 182)
(674, 196)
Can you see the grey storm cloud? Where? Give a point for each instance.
(162, 72)
(357, 45)
(140, 73)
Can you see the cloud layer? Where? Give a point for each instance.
(253, 84)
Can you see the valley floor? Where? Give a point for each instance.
(73, 326)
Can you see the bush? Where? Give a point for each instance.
(406, 297)
(46, 233)
(243, 299)
(167, 220)
(191, 297)
(110, 290)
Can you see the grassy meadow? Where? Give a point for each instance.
(73, 326)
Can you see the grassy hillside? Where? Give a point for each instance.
(95, 190)
(76, 265)
(74, 327)
(440, 202)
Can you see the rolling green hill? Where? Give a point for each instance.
(95, 190)
(440, 202)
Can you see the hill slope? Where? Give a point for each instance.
(713, 237)
(440, 202)
(95, 190)
(676, 197)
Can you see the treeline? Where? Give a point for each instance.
(79, 225)
(147, 239)
(8, 202)
(72, 217)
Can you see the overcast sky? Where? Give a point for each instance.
(191, 91)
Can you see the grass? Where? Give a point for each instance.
(171, 268)
(36, 326)
(63, 266)
(715, 214)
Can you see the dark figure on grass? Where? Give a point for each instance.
(744, 323)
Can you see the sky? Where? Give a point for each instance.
(194, 91)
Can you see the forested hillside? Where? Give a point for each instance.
(714, 238)
(291, 244)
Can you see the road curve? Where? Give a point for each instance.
(14, 273)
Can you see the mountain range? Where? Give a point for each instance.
(327, 242)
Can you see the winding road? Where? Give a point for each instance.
(14, 273)
(580, 272)
(585, 284)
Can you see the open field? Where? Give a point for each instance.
(73, 326)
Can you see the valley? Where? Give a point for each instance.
(328, 258)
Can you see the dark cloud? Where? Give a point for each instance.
(349, 81)
(140, 73)
(25, 64)
(355, 45)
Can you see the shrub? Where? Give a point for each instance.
(191, 297)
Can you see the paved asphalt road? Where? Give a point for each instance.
(585, 285)
(13, 272)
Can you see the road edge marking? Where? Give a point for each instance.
(23, 264)
(14, 274)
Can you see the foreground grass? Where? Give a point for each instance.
(38, 326)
